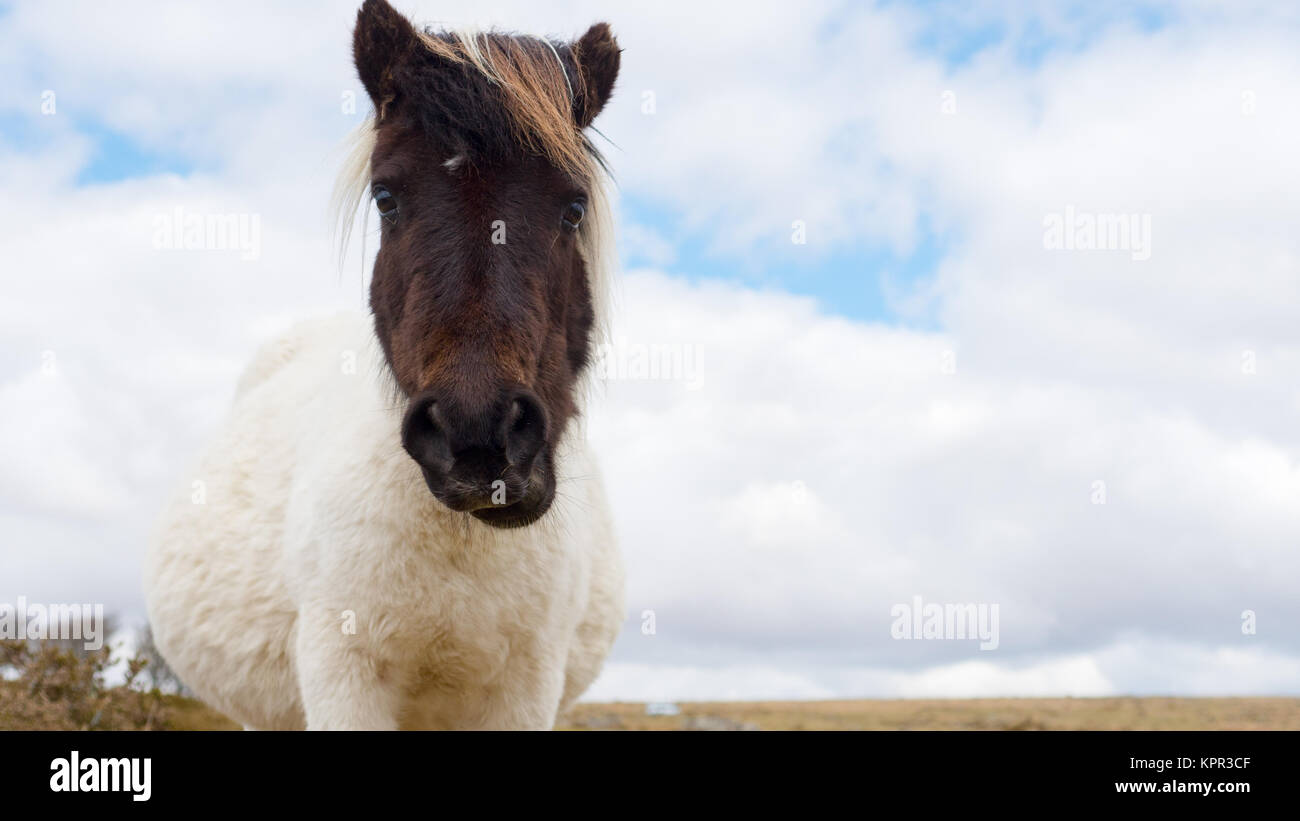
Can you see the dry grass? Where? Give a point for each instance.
(56, 687)
(955, 714)
(190, 714)
(59, 689)
(930, 714)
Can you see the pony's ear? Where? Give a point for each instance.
(597, 55)
(380, 42)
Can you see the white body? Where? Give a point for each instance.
(312, 580)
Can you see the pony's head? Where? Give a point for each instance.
(486, 287)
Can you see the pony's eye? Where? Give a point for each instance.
(573, 214)
(385, 201)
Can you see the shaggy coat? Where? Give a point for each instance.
(400, 525)
(307, 578)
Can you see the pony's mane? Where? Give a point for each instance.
(511, 87)
(526, 79)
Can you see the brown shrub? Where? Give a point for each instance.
(62, 688)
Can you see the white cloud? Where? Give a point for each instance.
(622, 681)
(1073, 676)
(825, 470)
(55, 462)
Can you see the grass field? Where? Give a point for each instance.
(931, 714)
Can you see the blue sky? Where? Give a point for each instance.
(856, 281)
(954, 34)
(112, 155)
(859, 279)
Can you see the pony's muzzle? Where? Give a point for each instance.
(484, 461)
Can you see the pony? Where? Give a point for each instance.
(400, 525)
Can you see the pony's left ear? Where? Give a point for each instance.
(597, 55)
(380, 42)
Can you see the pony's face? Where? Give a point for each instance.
(481, 294)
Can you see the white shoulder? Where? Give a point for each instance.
(351, 328)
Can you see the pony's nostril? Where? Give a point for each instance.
(451, 442)
(518, 416)
(427, 421)
(424, 436)
(525, 429)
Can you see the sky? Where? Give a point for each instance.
(901, 383)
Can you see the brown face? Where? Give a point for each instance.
(480, 293)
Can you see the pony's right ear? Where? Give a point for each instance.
(597, 54)
(380, 42)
